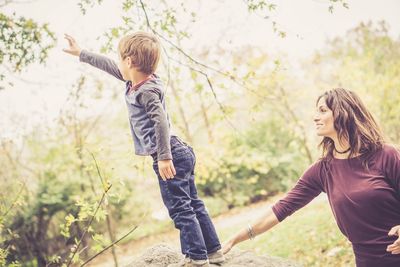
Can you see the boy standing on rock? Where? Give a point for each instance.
(174, 160)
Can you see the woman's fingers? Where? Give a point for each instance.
(226, 248)
(390, 248)
(397, 242)
(396, 251)
(395, 247)
(395, 230)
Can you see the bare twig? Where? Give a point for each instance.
(97, 168)
(192, 59)
(109, 246)
(206, 76)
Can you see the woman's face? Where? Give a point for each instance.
(324, 120)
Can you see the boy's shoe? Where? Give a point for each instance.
(188, 262)
(216, 257)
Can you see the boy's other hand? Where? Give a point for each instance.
(73, 48)
(166, 169)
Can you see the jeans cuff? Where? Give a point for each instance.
(214, 249)
(197, 257)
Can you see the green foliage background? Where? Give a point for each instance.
(249, 121)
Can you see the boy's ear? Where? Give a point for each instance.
(129, 60)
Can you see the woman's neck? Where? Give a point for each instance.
(341, 148)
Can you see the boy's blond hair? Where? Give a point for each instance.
(144, 50)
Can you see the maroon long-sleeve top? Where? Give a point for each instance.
(365, 203)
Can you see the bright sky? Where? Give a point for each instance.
(307, 23)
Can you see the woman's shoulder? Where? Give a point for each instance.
(387, 150)
(315, 175)
(316, 169)
(390, 148)
(316, 165)
(387, 153)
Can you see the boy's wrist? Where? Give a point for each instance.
(164, 156)
(83, 56)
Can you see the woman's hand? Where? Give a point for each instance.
(264, 223)
(395, 247)
(227, 246)
(73, 49)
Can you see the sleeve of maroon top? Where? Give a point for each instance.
(391, 166)
(307, 188)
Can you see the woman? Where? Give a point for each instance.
(360, 175)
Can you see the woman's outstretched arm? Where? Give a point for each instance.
(307, 188)
(263, 224)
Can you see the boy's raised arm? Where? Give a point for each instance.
(101, 62)
(96, 60)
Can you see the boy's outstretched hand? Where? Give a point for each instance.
(73, 49)
(166, 169)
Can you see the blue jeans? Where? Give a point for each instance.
(197, 232)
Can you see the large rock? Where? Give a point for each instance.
(161, 255)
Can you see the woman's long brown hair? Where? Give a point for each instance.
(352, 122)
